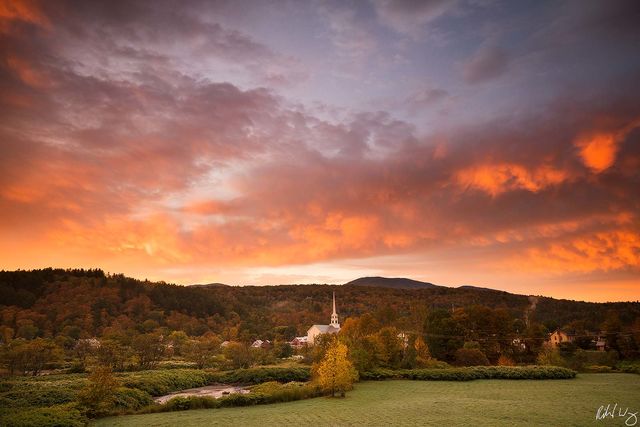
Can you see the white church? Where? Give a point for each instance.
(332, 328)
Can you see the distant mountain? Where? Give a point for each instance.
(391, 282)
(208, 285)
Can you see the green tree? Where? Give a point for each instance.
(335, 373)
(471, 355)
(113, 353)
(202, 351)
(31, 356)
(550, 356)
(238, 355)
(389, 347)
(149, 349)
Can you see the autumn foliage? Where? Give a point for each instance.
(336, 373)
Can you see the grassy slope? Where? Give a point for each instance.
(483, 402)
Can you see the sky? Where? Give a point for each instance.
(490, 143)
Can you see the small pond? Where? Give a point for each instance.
(215, 391)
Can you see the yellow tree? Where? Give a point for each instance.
(422, 351)
(335, 372)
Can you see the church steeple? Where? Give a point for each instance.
(334, 315)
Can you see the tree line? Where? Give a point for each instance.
(55, 316)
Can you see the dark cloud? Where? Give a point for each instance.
(487, 63)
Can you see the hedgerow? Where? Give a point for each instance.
(629, 367)
(160, 382)
(271, 392)
(261, 375)
(472, 373)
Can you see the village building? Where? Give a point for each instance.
(600, 343)
(519, 344)
(93, 343)
(558, 337)
(261, 344)
(331, 328)
(299, 342)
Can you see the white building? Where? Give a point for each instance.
(332, 328)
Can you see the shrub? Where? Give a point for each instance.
(472, 373)
(58, 416)
(585, 358)
(629, 367)
(270, 392)
(261, 375)
(131, 399)
(550, 357)
(470, 357)
(45, 396)
(597, 369)
(505, 361)
(160, 382)
(192, 402)
(98, 395)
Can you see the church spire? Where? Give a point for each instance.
(334, 315)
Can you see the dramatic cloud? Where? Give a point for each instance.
(181, 143)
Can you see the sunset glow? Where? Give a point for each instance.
(456, 142)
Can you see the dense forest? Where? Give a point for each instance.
(69, 306)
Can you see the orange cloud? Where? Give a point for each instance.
(602, 251)
(27, 73)
(495, 179)
(598, 152)
(24, 10)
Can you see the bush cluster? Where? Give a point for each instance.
(629, 367)
(270, 392)
(160, 382)
(131, 399)
(60, 415)
(597, 369)
(472, 373)
(261, 375)
(40, 391)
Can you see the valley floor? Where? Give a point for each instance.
(572, 402)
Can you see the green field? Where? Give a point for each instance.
(484, 402)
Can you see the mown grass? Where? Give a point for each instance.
(571, 402)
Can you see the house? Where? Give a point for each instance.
(558, 337)
(224, 344)
(331, 328)
(298, 342)
(92, 343)
(519, 344)
(600, 343)
(261, 344)
(404, 339)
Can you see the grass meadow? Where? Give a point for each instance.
(572, 402)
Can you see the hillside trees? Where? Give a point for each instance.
(203, 351)
(149, 349)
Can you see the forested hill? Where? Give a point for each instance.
(51, 302)
(390, 282)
